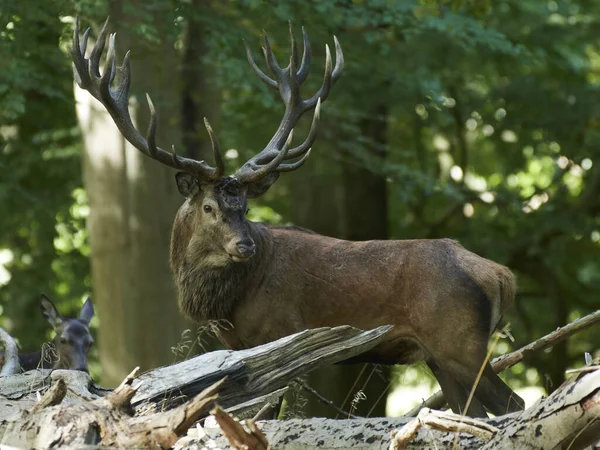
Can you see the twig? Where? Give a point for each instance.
(11, 355)
(436, 401)
(325, 401)
(582, 369)
(265, 412)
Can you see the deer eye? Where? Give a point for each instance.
(207, 208)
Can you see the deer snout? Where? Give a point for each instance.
(246, 248)
(241, 250)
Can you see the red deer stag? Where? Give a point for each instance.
(70, 346)
(269, 282)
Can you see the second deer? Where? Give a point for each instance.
(70, 347)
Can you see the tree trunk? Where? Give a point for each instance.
(200, 98)
(133, 201)
(199, 95)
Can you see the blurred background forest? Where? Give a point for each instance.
(476, 120)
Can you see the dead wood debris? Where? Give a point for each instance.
(441, 421)
(238, 437)
(11, 364)
(103, 422)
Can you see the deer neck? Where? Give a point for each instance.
(211, 293)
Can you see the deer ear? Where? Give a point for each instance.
(187, 184)
(257, 188)
(50, 312)
(87, 311)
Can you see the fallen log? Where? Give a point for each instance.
(253, 372)
(73, 411)
(104, 422)
(568, 418)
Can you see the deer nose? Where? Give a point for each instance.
(246, 248)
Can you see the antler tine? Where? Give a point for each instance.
(151, 133)
(77, 51)
(116, 101)
(328, 78)
(293, 166)
(84, 41)
(121, 93)
(288, 81)
(266, 79)
(306, 58)
(216, 149)
(310, 139)
(269, 56)
(339, 60)
(94, 67)
(111, 57)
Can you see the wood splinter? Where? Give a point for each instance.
(235, 433)
(53, 396)
(441, 421)
(121, 397)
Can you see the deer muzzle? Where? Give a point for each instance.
(241, 250)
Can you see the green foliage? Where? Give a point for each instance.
(42, 232)
(492, 122)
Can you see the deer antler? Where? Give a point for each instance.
(287, 81)
(116, 100)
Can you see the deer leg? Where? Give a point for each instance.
(454, 393)
(514, 402)
(490, 390)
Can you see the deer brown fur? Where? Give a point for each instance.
(268, 282)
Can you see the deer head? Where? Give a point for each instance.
(73, 339)
(216, 204)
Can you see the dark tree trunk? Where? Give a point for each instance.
(200, 93)
(200, 98)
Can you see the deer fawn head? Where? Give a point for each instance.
(216, 205)
(73, 339)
